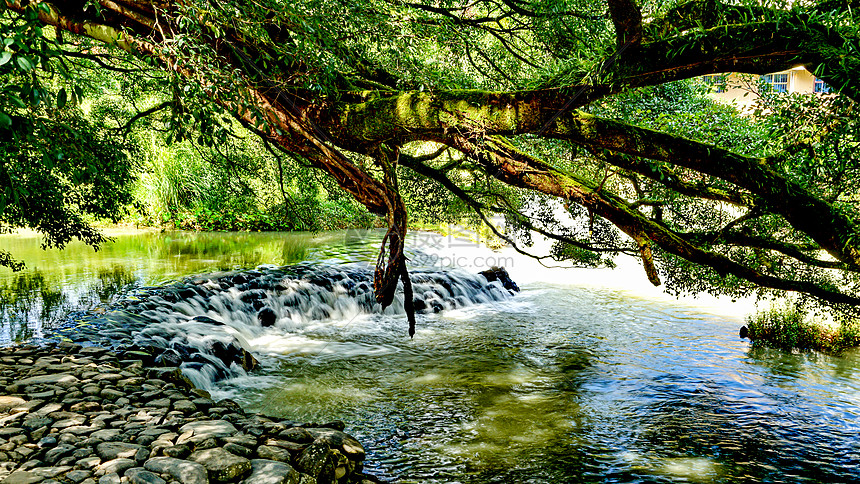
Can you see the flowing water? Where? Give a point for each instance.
(580, 377)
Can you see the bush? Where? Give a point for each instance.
(789, 328)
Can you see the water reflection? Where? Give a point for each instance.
(57, 284)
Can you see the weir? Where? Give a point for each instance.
(206, 325)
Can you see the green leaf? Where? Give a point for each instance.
(62, 98)
(5, 57)
(5, 121)
(24, 63)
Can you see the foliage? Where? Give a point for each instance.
(58, 169)
(580, 121)
(790, 327)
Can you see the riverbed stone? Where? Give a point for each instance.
(314, 459)
(116, 466)
(272, 472)
(339, 440)
(113, 450)
(110, 479)
(86, 419)
(203, 429)
(139, 475)
(184, 471)
(221, 465)
(9, 403)
(63, 380)
(274, 453)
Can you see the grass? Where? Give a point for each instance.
(789, 328)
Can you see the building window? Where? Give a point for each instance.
(777, 82)
(820, 86)
(717, 82)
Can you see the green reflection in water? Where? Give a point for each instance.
(56, 283)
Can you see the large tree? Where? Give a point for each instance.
(503, 104)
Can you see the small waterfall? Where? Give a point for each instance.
(203, 324)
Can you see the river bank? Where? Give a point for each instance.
(86, 415)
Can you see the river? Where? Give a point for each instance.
(583, 376)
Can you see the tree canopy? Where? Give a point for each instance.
(523, 108)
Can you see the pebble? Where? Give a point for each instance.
(76, 415)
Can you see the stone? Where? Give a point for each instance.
(180, 451)
(69, 422)
(8, 403)
(110, 479)
(271, 472)
(78, 475)
(34, 423)
(185, 406)
(138, 475)
(113, 450)
(108, 377)
(8, 432)
(182, 470)
(204, 429)
(297, 435)
(89, 462)
(111, 394)
(222, 465)
(116, 466)
(63, 380)
(313, 459)
(58, 452)
(93, 351)
(237, 449)
(341, 441)
(22, 477)
(274, 453)
(91, 389)
(160, 403)
(107, 435)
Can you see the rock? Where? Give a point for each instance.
(233, 353)
(114, 450)
(63, 380)
(313, 459)
(78, 475)
(138, 475)
(336, 439)
(180, 451)
(274, 453)
(237, 449)
(221, 465)
(182, 470)
(9, 404)
(501, 275)
(160, 403)
(184, 406)
(266, 317)
(297, 435)
(271, 472)
(107, 435)
(201, 430)
(22, 477)
(110, 479)
(111, 394)
(93, 351)
(116, 466)
(58, 452)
